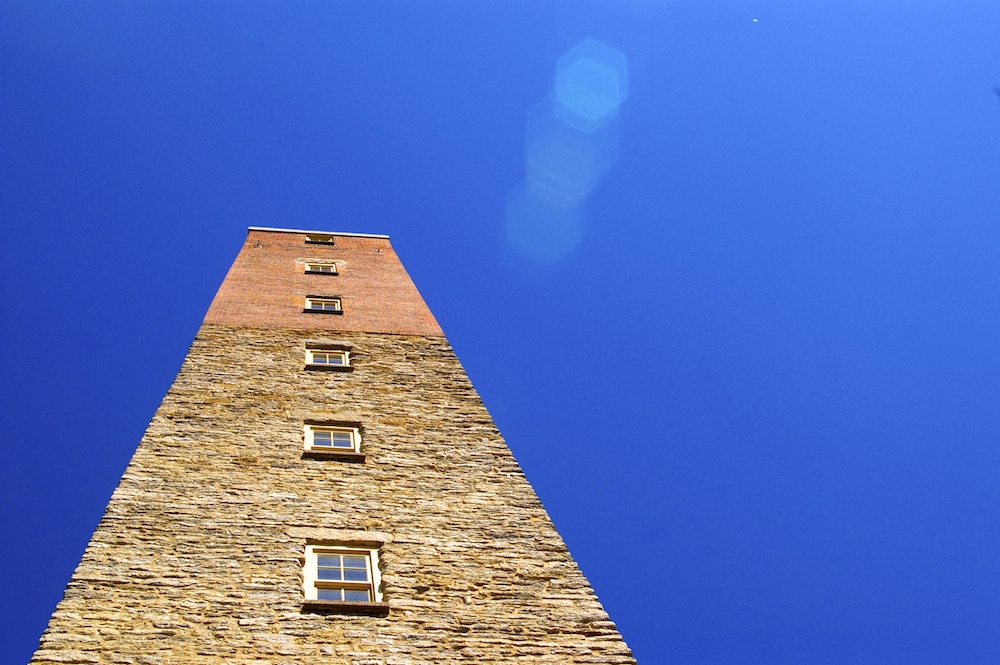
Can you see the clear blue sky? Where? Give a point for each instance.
(757, 385)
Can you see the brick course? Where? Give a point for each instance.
(267, 286)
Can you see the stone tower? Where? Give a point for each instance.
(322, 484)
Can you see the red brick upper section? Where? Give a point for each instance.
(267, 286)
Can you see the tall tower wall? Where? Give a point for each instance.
(203, 554)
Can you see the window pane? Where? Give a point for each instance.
(351, 561)
(322, 438)
(328, 561)
(356, 594)
(328, 594)
(328, 574)
(342, 440)
(328, 358)
(354, 575)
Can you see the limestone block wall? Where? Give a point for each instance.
(199, 556)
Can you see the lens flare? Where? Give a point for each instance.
(540, 228)
(591, 84)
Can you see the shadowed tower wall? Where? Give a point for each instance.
(201, 556)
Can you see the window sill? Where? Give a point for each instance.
(344, 607)
(321, 242)
(321, 272)
(323, 311)
(330, 368)
(342, 455)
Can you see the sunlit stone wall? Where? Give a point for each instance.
(198, 558)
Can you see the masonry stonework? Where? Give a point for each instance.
(199, 556)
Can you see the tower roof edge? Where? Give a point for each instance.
(332, 233)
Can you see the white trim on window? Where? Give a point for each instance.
(328, 357)
(333, 438)
(321, 268)
(324, 304)
(342, 573)
(320, 238)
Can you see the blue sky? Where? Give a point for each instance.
(756, 387)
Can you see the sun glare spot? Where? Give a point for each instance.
(541, 228)
(591, 84)
(571, 142)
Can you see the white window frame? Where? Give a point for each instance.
(321, 238)
(311, 357)
(312, 583)
(321, 268)
(335, 301)
(355, 433)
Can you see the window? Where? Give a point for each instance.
(330, 357)
(343, 577)
(333, 441)
(324, 438)
(321, 269)
(343, 574)
(323, 305)
(319, 238)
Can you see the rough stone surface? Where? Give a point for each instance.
(198, 558)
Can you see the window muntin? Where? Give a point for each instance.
(333, 357)
(344, 439)
(340, 576)
(342, 573)
(319, 238)
(324, 304)
(321, 268)
(331, 438)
